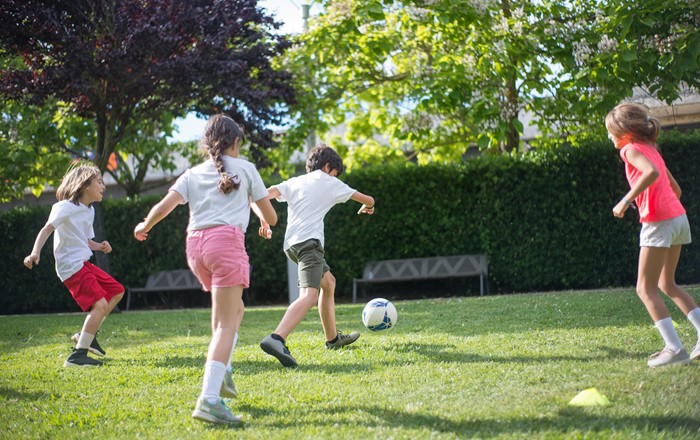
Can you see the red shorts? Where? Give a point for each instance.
(90, 284)
(218, 258)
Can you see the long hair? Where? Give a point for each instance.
(76, 179)
(220, 133)
(321, 155)
(632, 122)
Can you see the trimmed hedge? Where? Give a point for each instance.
(544, 221)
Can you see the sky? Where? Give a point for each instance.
(288, 12)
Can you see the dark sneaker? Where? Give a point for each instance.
(668, 357)
(94, 347)
(278, 349)
(342, 340)
(214, 413)
(228, 389)
(80, 358)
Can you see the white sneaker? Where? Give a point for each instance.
(695, 354)
(668, 357)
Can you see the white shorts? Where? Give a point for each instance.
(666, 233)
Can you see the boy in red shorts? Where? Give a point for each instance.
(95, 291)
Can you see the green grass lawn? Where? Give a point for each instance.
(491, 367)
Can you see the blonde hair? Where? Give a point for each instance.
(220, 133)
(633, 123)
(78, 177)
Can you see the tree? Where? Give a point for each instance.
(120, 61)
(115, 62)
(38, 143)
(432, 77)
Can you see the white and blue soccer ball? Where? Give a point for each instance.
(379, 314)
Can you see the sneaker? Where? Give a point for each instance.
(695, 354)
(94, 347)
(214, 413)
(668, 357)
(279, 350)
(228, 389)
(342, 340)
(79, 358)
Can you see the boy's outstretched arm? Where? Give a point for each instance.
(367, 202)
(33, 258)
(266, 213)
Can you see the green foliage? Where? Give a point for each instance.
(40, 142)
(498, 367)
(544, 220)
(436, 77)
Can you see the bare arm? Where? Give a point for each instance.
(367, 202)
(266, 213)
(102, 247)
(674, 185)
(33, 258)
(649, 175)
(157, 213)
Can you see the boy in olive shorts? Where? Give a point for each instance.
(309, 198)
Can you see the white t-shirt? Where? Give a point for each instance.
(309, 198)
(73, 229)
(209, 207)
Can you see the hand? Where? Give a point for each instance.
(140, 232)
(264, 231)
(366, 210)
(31, 260)
(620, 208)
(105, 247)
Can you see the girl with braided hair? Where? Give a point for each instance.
(220, 192)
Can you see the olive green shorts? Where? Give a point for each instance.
(309, 255)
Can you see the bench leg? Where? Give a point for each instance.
(481, 283)
(128, 299)
(354, 291)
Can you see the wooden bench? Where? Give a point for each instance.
(455, 266)
(166, 281)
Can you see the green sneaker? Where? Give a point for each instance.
(342, 340)
(80, 358)
(228, 389)
(94, 346)
(214, 413)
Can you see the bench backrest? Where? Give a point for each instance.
(431, 267)
(181, 279)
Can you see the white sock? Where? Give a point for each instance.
(233, 347)
(213, 377)
(84, 340)
(694, 318)
(668, 332)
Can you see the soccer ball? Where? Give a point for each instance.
(379, 314)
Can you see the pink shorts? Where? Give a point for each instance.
(218, 258)
(90, 284)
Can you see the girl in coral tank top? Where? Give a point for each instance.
(665, 228)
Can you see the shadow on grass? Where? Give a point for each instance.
(448, 353)
(12, 394)
(429, 352)
(568, 420)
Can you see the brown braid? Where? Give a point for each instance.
(220, 133)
